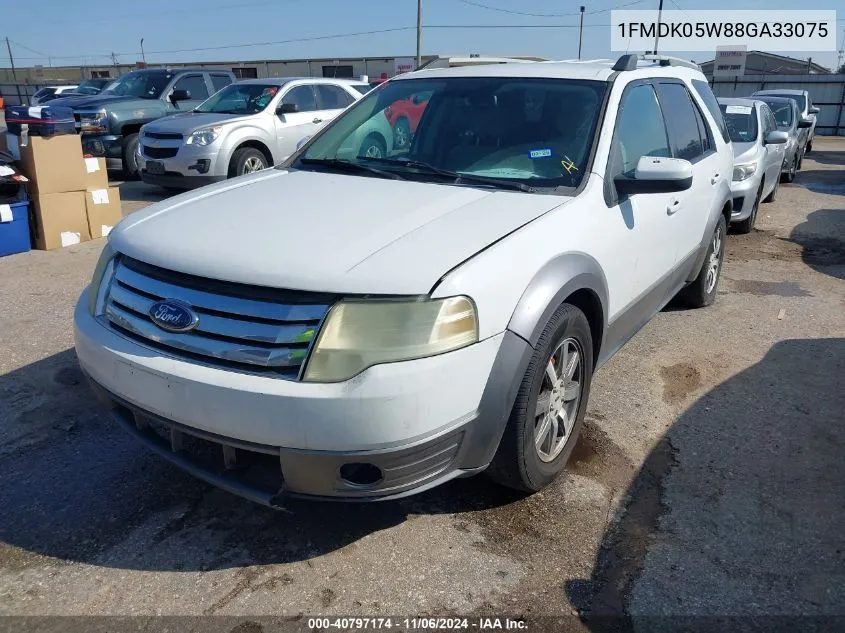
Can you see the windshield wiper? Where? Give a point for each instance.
(456, 176)
(346, 165)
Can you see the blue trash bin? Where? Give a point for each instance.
(14, 235)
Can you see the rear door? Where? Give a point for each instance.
(690, 138)
(295, 126)
(219, 81)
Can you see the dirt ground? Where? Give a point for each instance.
(708, 480)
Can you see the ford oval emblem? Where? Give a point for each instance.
(173, 316)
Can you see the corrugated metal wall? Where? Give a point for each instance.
(826, 91)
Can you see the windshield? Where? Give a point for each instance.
(240, 99)
(782, 111)
(526, 130)
(741, 121)
(800, 99)
(91, 86)
(140, 84)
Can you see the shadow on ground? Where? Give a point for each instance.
(738, 510)
(827, 181)
(137, 191)
(76, 487)
(827, 157)
(822, 238)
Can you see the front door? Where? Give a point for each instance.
(195, 85)
(331, 101)
(773, 153)
(292, 127)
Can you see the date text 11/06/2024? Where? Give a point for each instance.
(417, 623)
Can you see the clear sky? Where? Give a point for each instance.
(76, 33)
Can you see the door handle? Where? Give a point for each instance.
(673, 207)
(317, 120)
(714, 179)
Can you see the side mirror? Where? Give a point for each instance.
(180, 95)
(814, 110)
(805, 123)
(776, 137)
(656, 175)
(287, 108)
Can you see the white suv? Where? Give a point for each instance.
(357, 326)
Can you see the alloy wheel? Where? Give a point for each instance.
(558, 400)
(714, 262)
(253, 164)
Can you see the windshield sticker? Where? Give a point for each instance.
(738, 109)
(540, 153)
(568, 165)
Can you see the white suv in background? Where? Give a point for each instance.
(371, 326)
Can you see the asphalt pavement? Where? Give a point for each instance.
(708, 480)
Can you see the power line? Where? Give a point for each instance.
(544, 15)
(31, 50)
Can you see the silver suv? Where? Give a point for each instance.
(245, 127)
(805, 107)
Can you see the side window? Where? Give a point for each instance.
(640, 130)
(679, 113)
(333, 97)
(303, 97)
(220, 81)
(709, 99)
(703, 130)
(195, 84)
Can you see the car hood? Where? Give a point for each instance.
(325, 232)
(189, 121)
(85, 102)
(744, 152)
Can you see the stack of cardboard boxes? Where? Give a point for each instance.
(72, 200)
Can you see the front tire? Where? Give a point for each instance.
(246, 160)
(745, 226)
(131, 170)
(549, 409)
(773, 193)
(702, 291)
(402, 134)
(793, 167)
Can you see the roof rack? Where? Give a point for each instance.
(630, 61)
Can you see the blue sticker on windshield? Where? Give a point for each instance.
(539, 153)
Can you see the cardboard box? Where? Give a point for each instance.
(96, 176)
(54, 163)
(103, 208)
(60, 219)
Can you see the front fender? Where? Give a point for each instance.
(553, 283)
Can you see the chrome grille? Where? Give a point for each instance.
(257, 330)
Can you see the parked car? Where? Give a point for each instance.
(758, 157)
(110, 121)
(371, 327)
(48, 93)
(805, 108)
(248, 126)
(788, 119)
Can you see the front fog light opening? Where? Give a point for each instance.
(361, 474)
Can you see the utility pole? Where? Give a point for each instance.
(419, 33)
(143, 57)
(11, 60)
(581, 33)
(659, 15)
(841, 53)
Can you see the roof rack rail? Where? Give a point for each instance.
(629, 61)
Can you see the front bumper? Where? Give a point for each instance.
(175, 180)
(417, 423)
(744, 193)
(108, 146)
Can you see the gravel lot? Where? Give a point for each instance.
(708, 480)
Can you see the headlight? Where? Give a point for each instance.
(744, 171)
(360, 334)
(205, 136)
(97, 289)
(96, 122)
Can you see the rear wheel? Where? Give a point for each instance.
(246, 160)
(402, 134)
(549, 409)
(702, 291)
(130, 157)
